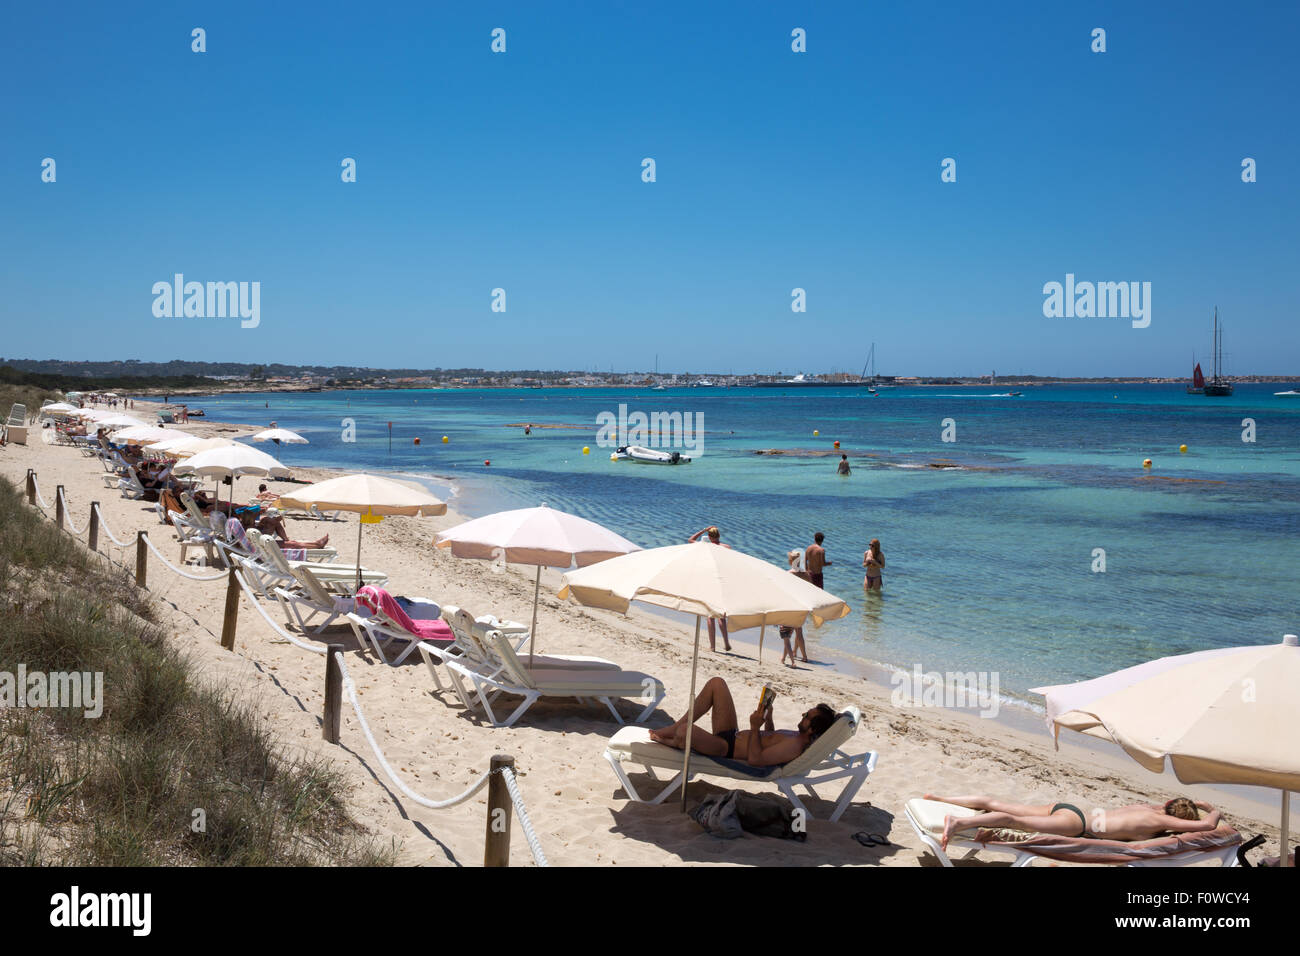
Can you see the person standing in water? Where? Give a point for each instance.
(814, 559)
(873, 559)
(715, 537)
(844, 468)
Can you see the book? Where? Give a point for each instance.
(766, 699)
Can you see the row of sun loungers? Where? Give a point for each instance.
(484, 662)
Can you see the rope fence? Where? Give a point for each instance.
(497, 851)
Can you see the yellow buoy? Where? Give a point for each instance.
(445, 439)
(1146, 462)
(816, 433)
(613, 456)
(1183, 449)
(586, 450)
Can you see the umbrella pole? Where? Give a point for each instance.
(532, 632)
(360, 528)
(1286, 829)
(761, 629)
(690, 715)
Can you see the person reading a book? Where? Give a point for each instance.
(762, 745)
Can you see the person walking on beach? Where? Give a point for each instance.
(814, 559)
(795, 559)
(715, 537)
(873, 559)
(844, 468)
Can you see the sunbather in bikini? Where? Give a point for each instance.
(1138, 821)
(760, 746)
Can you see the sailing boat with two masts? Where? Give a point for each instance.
(1217, 386)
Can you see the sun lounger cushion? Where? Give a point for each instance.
(377, 599)
(930, 813)
(634, 743)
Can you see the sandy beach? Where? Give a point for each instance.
(580, 813)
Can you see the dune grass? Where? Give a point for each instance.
(175, 771)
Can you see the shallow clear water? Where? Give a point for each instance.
(989, 564)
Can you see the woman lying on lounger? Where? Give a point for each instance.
(1138, 821)
(760, 746)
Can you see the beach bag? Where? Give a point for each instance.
(731, 814)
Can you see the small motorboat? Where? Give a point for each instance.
(650, 456)
(194, 413)
(1291, 394)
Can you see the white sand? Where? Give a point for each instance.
(580, 813)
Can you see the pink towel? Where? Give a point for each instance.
(378, 599)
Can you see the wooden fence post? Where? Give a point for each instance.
(141, 559)
(231, 616)
(333, 695)
(496, 847)
(58, 506)
(31, 487)
(93, 534)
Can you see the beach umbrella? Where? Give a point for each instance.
(188, 447)
(231, 461)
(1216, 716)
(149, 434)
(541, 536)
(370, 496)
(59, 408)
(120, 421)
(708, 581)
(279, 435)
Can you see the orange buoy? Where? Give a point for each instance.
(486, 461)
(417, 441)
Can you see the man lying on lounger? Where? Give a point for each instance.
(760, 746)
(1138, 821)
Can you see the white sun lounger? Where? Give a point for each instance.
(515, 678)
(312, 600)
(823, 762)
(926, 818)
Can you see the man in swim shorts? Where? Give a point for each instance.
(1139, 821)
(760, 746)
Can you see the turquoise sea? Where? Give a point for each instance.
(990, 564)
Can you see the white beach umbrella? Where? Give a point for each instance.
(231, 461)
(541, 536)
(59, 408)
(280, 435)
(188, 447)
(120, 421)
(234, 460)
(370, 496)
(149, 434)
(1217, 716)
(708, 581)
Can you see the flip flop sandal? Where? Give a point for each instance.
(871, 839)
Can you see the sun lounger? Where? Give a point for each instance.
(311, 600)
(516, 679)
(823, 762)
(191, 536)
(381, 618)
(334, 577)
(926, 818)
(476, 631)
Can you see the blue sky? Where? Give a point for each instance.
(775, 170)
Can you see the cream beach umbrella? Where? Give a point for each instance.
(280, 435)
(708, 581)
(1217, 716)
(372, 497)
(540, 536)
